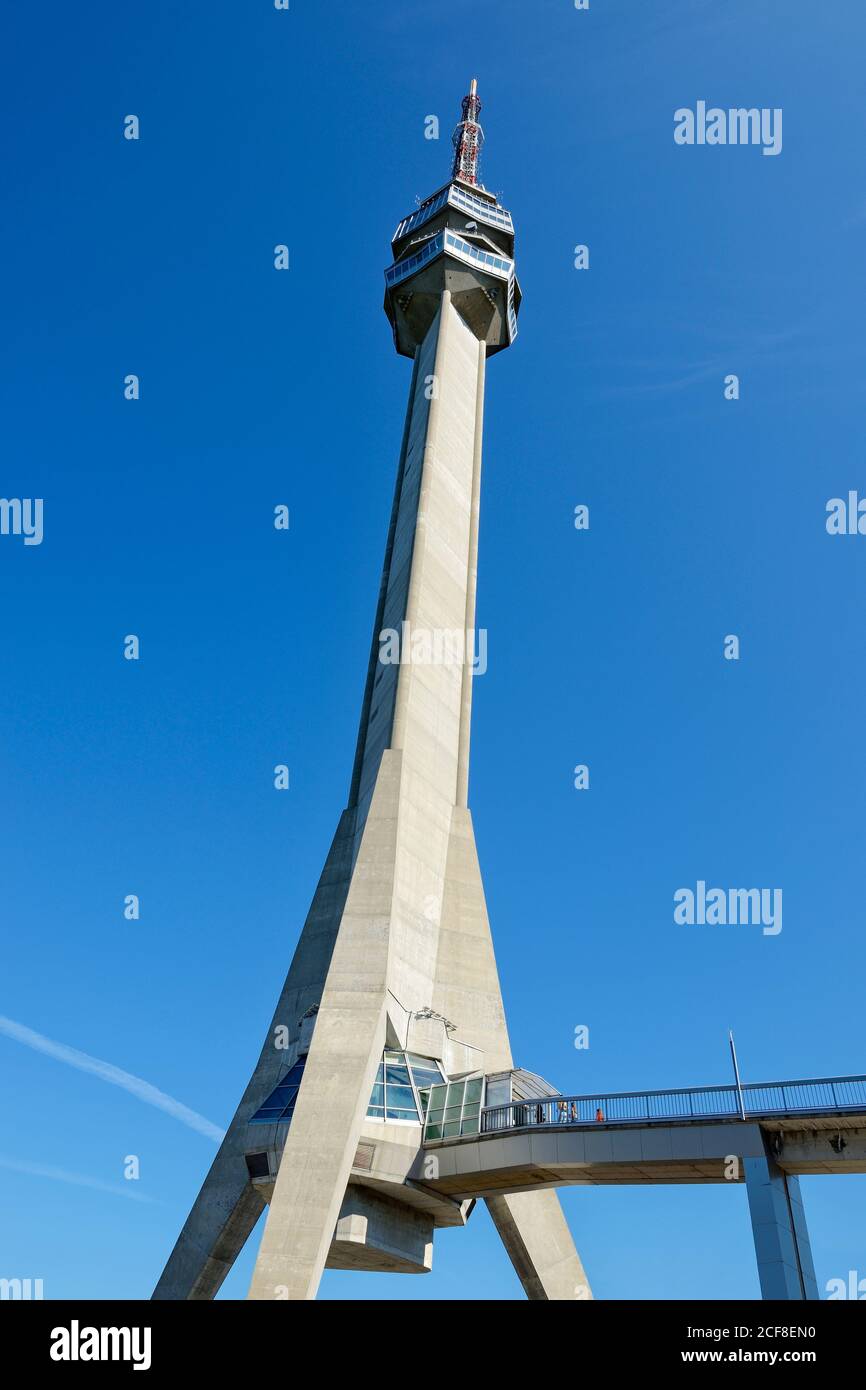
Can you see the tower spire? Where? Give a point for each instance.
(468, 138)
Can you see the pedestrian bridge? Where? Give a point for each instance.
(765, 1136)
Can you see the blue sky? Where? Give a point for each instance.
(605, 647)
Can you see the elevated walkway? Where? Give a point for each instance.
(765, 1136)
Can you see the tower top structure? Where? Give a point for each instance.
(461, 239)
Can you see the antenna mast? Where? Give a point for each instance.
(468, 138)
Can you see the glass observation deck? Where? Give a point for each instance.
(456, 197)
(448, 243)
(457, 247)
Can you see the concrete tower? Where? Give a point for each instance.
(393, 986)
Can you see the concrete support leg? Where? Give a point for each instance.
(535, 1233)
(228, 1206)
(317, 1160)
(223, 1215)
(345, 1050)
(782, 1246)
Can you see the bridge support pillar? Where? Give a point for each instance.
(781, 1237)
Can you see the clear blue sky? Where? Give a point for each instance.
(605, 648)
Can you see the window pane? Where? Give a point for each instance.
(397, 1075)
(402, 1097)
(378, 1096)
(424, 1077)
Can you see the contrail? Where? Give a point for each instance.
(40, 1170)
(113, 1075)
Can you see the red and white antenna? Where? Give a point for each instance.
(468, 138)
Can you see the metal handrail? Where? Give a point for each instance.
(823, 1095)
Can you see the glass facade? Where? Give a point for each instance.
(280, 1104)
(495, 265)
(479, 208)
(395, 273)
(512, 313)
(488, 212)
(402, 1085)
(454, 1108)
(417, 219)
(499, 266)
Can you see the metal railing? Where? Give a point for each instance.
(836, 1095)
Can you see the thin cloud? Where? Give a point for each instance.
(105, 1071)
(42, 1170)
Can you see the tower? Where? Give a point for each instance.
(393, 987)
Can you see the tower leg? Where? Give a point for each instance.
(345, 1050)
(535, 1234)
(223, 1215)
(531, 1225)
(785, 1266)
(228, 1205)
(317, 1160)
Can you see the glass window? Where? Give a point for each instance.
(279, 1106)
(401, 1096)
(397, 1076)
(455, 1109)
(403, 1085)
(424, 1079)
